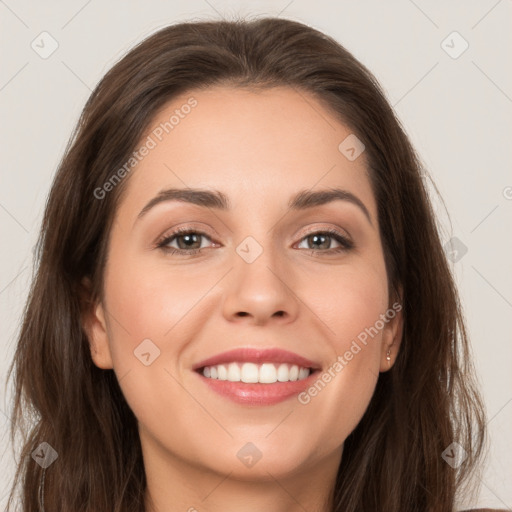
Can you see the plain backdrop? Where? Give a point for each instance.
(452, 92)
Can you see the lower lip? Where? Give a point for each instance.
(258, 394)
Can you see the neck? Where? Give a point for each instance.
(174, 484)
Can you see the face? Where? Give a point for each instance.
(258, 267)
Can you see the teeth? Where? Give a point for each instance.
(266, 373)
(233, 372)
(283, 373)
(249, 372)
(303, 373)
(222, 372)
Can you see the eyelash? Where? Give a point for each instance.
(345, 243)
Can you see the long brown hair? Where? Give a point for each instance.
(393, 460)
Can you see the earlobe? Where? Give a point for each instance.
(391, 338)
(95, 327)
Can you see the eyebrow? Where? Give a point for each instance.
(215, 199)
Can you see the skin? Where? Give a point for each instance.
(259, 149)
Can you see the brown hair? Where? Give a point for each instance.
(392, 460)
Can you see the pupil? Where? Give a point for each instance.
(317, 238)
(189, 239)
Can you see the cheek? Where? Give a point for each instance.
(155, 312)
(353, 325)
(147, 301)
(149, 311)
(350, 301)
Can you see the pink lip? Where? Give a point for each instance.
(259, 394)
(258, 356)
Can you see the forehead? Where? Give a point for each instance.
(253, 145)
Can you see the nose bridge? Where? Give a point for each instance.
(258, 286)
(258, 263)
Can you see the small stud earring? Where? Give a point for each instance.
(388, 355)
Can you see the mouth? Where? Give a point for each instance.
(257, 377)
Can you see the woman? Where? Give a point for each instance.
(241, 299)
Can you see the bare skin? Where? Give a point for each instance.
(259, 149)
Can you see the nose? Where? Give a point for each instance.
(260, 292)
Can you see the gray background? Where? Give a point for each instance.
(456, 111)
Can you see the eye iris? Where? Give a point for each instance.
(190, 239)
(318, 237)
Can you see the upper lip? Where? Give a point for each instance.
(258, 356)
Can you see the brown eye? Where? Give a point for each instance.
(187, 242)
(319, 241)
(322, 241)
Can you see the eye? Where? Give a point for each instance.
(323, 240)
(188, 241)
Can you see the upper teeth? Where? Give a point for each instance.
(265, 373)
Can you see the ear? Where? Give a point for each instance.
(392, 334)
(95, 327)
